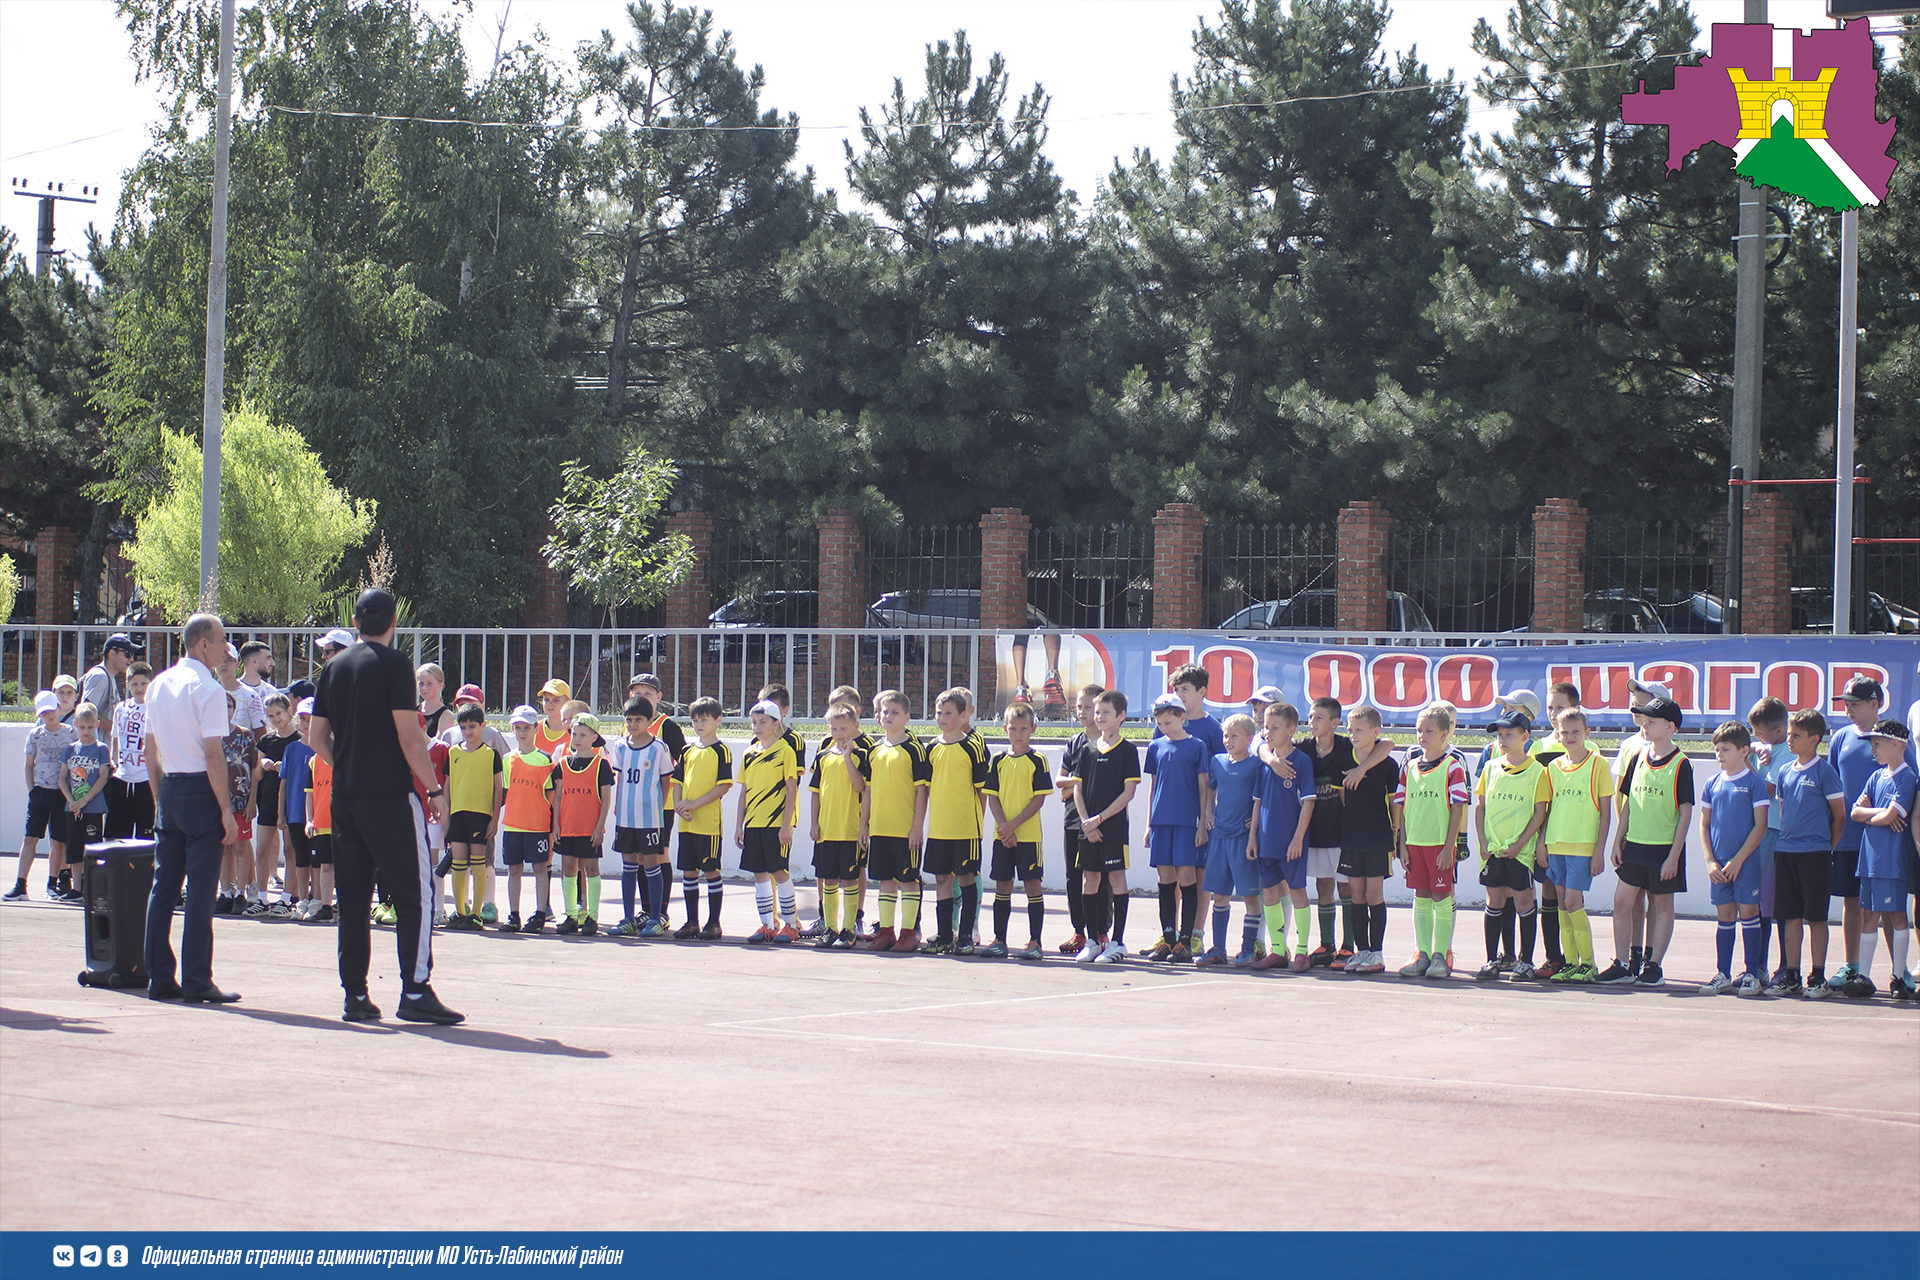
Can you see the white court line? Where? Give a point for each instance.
(753, 1027)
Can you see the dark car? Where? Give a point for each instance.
(944, 608)
(1699, 614)
(1317, 609)
(782, 611)
(1611, 612)
(1812, 610)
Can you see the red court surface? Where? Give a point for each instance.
(717, 1086)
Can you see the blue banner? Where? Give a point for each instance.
(1713, 678)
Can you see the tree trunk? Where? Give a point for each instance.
(90, 565)
(623, 321)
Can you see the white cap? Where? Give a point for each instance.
(1525, 699)
(45, 700)
(338, 638)
(233, 654)
(1651, 690)
(1268, 693)
(305, 708)
(523, 714)
(767, 707)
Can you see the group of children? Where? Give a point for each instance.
(1297, 827)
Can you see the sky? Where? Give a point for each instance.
(71, 112)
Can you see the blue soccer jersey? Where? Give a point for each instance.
(1772, 759)
(638, 774)
(1851, 752)
(1806, 814)
(1212, 735)
(1176, 767)
(1733, 800)
(1882, 849)
(1281, 800)
(1234, 784)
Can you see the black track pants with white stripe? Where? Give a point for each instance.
(384, 837)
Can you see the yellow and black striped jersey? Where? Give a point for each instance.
(764, 772)
(1015, 780)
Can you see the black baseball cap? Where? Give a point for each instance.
(301, 689)
(1863, 689)
(124, 643)
(1893, 729)
(1514, 719)
(1661, 709)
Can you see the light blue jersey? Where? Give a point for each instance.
(638, 777)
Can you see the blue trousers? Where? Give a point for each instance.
(187, 837)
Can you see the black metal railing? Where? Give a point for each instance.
(1250, 565)
(1092, 575)
(922, 560)
(1464, 577)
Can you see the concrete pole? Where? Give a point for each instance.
(1749, 311)
(1843, 486)
(214, 386)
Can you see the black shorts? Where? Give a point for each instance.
(467, 827)
(83, 829)
(1640, 868)
(1505, 873)
(1022, 862)
(1803, 885)
(699, 854)
(951, 857)
(762, 853)
(577, 847)
(838, 860)
(1366, 863)
(892, 858)
(300, 846)
(1845, 881)
(129, 809)
(639, 840)
(525, 848)
(1101, 855)
(47, 814)
(323, 849)
(268, 799)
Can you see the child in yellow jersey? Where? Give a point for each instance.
(1429, 813)
(554, 731)
(1576, 836)
(845, 695)
(897, 776)
(582, 796)
(1018, 783)
(474, 792)
(526, 820)
(1514, 795)
(763, 823)
(701, 781)
(958, 761)
(1655, 802)
(839, 788)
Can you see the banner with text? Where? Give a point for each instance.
(1713, 678)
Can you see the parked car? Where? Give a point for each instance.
(1610, 612)
(945, 608)
(779, 611)
(1699, 614)
(1812, 610)
(1317, 609)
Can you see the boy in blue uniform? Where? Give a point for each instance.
(1768, 720)
(1189, 684)
(1731, 830)
(1811, 816)
(1852, 756)
(1286, 809)
(1177, 816)
(1883, 810)
(1232, 849)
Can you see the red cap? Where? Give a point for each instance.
(470, 693)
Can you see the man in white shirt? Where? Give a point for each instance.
(256, 683)
(186, 720)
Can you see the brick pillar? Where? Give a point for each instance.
(1361, 575)
(1559, 565)
(843, 595)
(1004, 536)
(547, 595)
(687, 605)
(55, 550)
(1179, 578)
(1766, 567)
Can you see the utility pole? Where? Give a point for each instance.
(1749, 326)
(214, 387)
(43, 251)
(1843, 469)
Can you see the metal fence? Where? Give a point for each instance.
(767, 565)
(1464, 577)
(1889, 570)
(918, 559)
(1251, 564)
(1663, 562)
(1092, 575)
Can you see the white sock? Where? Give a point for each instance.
(1867, 941)
(1897, 952)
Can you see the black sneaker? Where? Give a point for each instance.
(16, 893)
(360, 1009)
(569, 926)
(1614, 975)
(589, 926)
(1859, 986)
(424, 1006)
(324, 915)
(535, 923)
(1901, 987)
(1635, 959)
(511, 924)
(1649, 975)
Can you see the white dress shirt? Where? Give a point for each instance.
(185, 707)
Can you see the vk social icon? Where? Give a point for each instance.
(63, 1255)
(89, 1255)
(116, 1255)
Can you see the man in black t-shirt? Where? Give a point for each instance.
(366, 725)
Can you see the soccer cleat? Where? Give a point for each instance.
(1818, 991)
(1859, 986)
(815, 930)
(1416, 967)
(360, 1009)
(570, 925)
(589, 925)
(995, 950)
(1549, 970)
(1614, 975)
(1090, 952)
(16, 893)
(962, 947)
(1302, 962)
(325, 914)
(654, 927)
(1784, 983)
(788, 935)
(625, 929)
(280, 911)
(1271, 960)
(388, 915)
(711, 932)
(849, 938)
(1341, 959)
(1488, 971)
(535, 922)
(256, 910)
(1032, 951)
(1900, 986)
(935, 946)
(1161, 950)
(826, 941)
(1113, 953)
(907, 943)
(1182, 953)
(1522, 971)
(1210, 957)
(1650, 974)
(1749, 985)
(511, 924)
(1441, 967)
(1376, 963)
(687, 931)
(424, 1006)
(1245, 958)
(489, 914)
(1838, 981)
(1578, 973)
(1321, 956)
(1506, 962)
(1072, 946)
(1715, 985)
(882, 940)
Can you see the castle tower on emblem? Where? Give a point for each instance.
(1806, 99)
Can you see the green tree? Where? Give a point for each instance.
(9, 587)
(284, 526)
(1278, 250)
(606, 537)
(395, 286)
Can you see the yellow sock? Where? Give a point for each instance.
(482, 871)
(1583, 935)
(849, 908)
(457, 881)
(829, 907)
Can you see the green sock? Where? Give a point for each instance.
(593, 894)
(1423, 925)
(1442, 926)
(1302, 926)
(570, 895)
(1326, 925)
(1276, 914)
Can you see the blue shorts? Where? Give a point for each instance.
(1877, 894)
(1767, 870)
(1174, 847)
(1571, 871)
(1846, 873)
(1229, 869)
(1743, 889)
(1292, 872)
